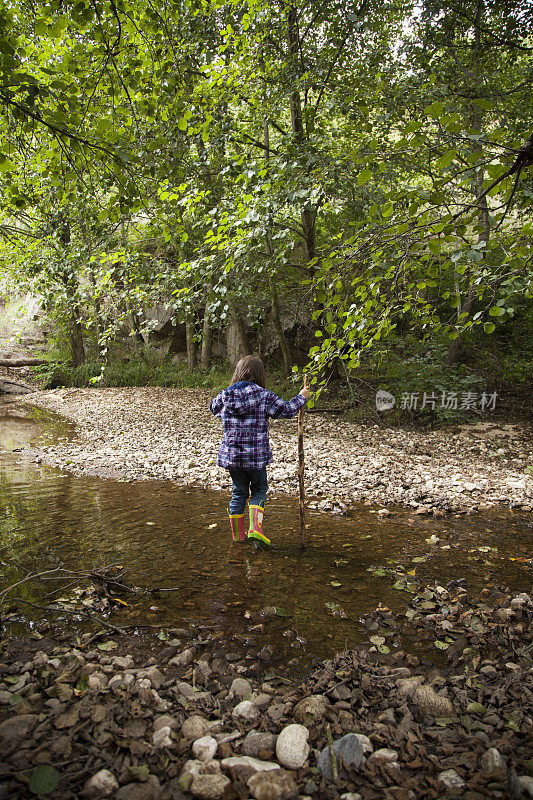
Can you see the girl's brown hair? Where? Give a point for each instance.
(250, 368)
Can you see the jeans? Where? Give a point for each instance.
(247, 482)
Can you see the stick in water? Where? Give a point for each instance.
(301, 465)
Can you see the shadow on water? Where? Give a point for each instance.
(174, 538)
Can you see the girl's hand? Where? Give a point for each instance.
(306, 390)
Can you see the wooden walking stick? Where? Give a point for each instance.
(301, 465)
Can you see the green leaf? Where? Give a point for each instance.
(364, 176)
(488, 327)
(495, 311)
(43, 780)
(445, 160)
(476, 708)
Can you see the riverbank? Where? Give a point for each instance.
(85, 715)
(159, 433)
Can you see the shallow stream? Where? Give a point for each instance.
(168, 537)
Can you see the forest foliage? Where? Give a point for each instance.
(367, 164)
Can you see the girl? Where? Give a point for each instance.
(244, 408)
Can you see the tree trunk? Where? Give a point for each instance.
(191, 343)
(307, 215)
(76, 338)
(453, 356)
(242, 333)
(276, 319)
(75, 327)
(207, 332)
(276, 316)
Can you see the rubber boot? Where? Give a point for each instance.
(256, 526)
(238, 528)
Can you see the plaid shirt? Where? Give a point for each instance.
(244, 409)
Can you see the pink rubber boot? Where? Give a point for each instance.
(238, 530)
(256, 526)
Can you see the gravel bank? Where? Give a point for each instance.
(86, 720)
(157, 433)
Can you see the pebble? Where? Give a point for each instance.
(194, 767)
(259, 745)
(161, 738)
(256, 764)
(349, 748)
(526, 783)
(366, 744)
(102, 784)
(183, 659)
(292, 748)
(165, 721)
(450, 780)
(14, 728)
(240, 688)
(350, 796)
(430, 702)
(205, 748)
(311, 709)
(247, 711)
(384, 755)
(194, 727)
(209, 787)
(493, 765)
(275, 785)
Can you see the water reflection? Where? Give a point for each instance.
(179, 539)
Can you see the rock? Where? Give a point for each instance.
(526, 783)
(311, 709)
(155, 677)
(148, 790)
(194, 727)
(430, 702)
(259, 745)
(349, 748)
(125, 662)
(209, 787)
(407, 686)
(350, 796)
(275, 785)
(194, 767)
(240, 688)
(450, 781)
(493, 765)
(102, 784)
(366, 744)
(205, 748)
(384, 756)
(161, 737)
(246, 711)
(183, 659)
(291, 747)
(13, 729)
(255, 764)
(165, 721)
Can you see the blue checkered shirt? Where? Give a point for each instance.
(244, 409)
